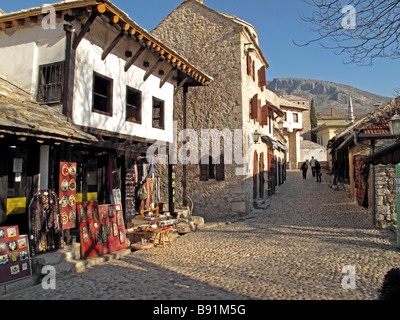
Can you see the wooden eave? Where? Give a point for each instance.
(126, 25)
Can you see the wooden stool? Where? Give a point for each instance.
(163, 236)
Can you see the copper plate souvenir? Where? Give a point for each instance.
(72, 216)
(64, 185)
(64, 202)
(72, 185)
(71, 200)
(65, 170)
(72, 170)
(64, 218)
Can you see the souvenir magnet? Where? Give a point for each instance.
(3, 260)
(11, 232)
(65, 170)
(21, 243)
(2, 234)
(23, 255)
(14, 256)
(72, 170)
(14, 270)
(12, 245)
(72, 185)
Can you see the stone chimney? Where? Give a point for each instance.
(351, 111)
(376, 106)
(333, 113)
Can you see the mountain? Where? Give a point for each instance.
(328, 95)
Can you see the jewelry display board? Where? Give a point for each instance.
(45, 227)
(130, 210)
(102, 229)
(14, 255)
(67, 194)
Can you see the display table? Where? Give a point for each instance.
(160, 234)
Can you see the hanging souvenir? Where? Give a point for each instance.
(72, 185)
(85, 234)
(14, 270)
(72, 170)
(104, 234)
(115, 229)
(121, 237)
(103, 212)
(82, 216)
(3, 260)
(91, 233)
(12, 245)
(64, 218)
(72, 216)
(64, 185)
(23, 255)
(120, 218)
(71, 200)
(64, 202)
(21, 243)
(65, 170)
(88, 212)
(14, 256)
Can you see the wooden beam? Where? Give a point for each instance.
(86, 26)
(134, 58)
(180, 85)
(112, 45)
(148, 73)
(167, 77)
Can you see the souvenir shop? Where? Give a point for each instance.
(91, 195)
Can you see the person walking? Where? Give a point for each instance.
(304, 168)
(312, 164)
(318, 171)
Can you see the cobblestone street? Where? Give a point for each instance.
(294, 250)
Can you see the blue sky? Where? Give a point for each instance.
(278, 22)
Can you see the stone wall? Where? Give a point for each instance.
(385, 186)
(212, 43)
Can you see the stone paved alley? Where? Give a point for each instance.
(294, 250)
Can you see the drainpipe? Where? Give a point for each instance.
(398, 203)
(372, 147)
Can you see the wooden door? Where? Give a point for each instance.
(255, 175)
(261, 175)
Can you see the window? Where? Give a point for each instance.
(51, 78)
(285, 116)
(133, 105)
(295, 117)
(158, 113)
(102, 94)
(209, 170)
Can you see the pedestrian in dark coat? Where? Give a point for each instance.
(304, 168)
(318, 171)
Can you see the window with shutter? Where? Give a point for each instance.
(259, 111)
(248, 63)
(253, 71)
(220, 169)
(262, 79)
(204, 169)
(253, 107)
(264, 116)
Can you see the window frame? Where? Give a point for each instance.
(109, 96)
(127, 105)
(42, 86)
(162, 113)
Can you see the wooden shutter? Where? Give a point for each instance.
(254, 106)
(259, 111)
(204, 172)
(264, 116)
(253, 71)
(248, 63)
(220, 169)
(262, 79)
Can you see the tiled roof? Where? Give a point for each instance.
(377, 128)
(20, 116)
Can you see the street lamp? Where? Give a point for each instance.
(256, 136)
(394, 125)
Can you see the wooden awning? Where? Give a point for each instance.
(89, 10)
(388, 155)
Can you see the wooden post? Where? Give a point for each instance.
(185, 122)
(69, 73)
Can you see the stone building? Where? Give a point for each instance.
(235, 105)
(371, 184)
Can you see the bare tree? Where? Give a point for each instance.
(361, 29)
